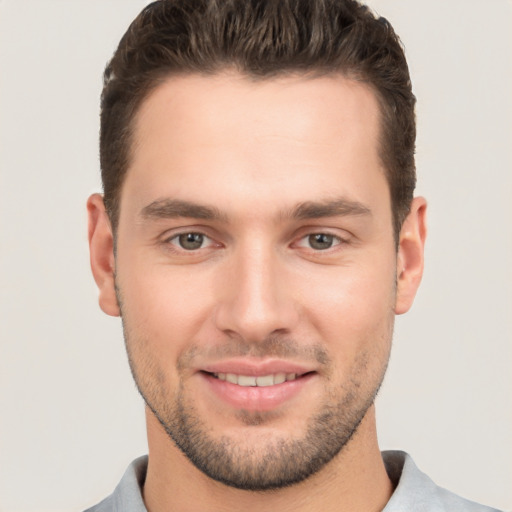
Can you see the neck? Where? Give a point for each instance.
(354, 480)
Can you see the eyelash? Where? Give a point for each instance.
(180, 247)
(334, 239)
(176, 241)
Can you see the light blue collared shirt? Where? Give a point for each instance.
(414, 491)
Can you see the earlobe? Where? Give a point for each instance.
(101, 247)
(411, 255)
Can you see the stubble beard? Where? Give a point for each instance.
(266, 463)
(276, 463)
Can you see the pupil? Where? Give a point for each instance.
(190, 241)
(321, 241)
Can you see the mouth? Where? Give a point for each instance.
(257, 381)
(263, 392)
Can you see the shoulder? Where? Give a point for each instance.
(127, 496)
(416, 491)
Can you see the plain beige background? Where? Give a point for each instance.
(70, 417)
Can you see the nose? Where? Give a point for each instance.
(257, 299)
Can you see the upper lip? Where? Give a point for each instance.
(256, 368)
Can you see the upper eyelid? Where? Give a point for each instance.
(299, 234)
(171, 243)
(190, 232)
(340, 239)
(305, 231)
(183, 230)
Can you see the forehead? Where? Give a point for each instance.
(295, 106)
(207, 135)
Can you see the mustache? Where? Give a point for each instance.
(274, 346)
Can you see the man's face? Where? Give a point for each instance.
(256, 270)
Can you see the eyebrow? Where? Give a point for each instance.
(174, 208)
(334, 208)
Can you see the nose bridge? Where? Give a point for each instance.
(258, 303)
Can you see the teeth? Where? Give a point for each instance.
(279, 378)
(231, 377)
(261, 381)
(266, 380)
(244, 380)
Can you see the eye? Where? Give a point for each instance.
(190, 241)
(319, 241)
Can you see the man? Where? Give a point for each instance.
(257, 235)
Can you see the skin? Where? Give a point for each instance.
(258, 155)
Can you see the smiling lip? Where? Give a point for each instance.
(253, 386)
(256, 368)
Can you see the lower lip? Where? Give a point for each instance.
(256, 398)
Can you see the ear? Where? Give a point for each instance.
(101, 247)
(410, 258)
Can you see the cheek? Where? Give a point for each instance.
(352, 307)
(163, 306)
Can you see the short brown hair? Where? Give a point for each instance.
(261, 39)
